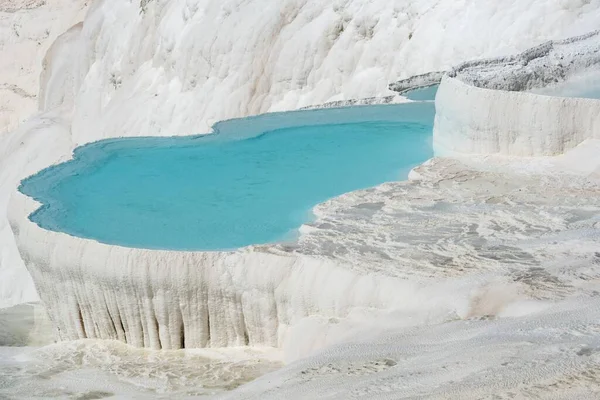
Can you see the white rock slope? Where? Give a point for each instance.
(176, 67)
(27, 29)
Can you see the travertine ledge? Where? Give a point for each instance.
(470, 119)
(175, 299)
(482, 106)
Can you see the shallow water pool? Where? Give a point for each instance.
(585, 85)
(254, 181)
(427, 93)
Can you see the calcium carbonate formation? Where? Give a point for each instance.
(476, 278)
(253, 296)
(138, 68)
(483, 107)
(486, 106)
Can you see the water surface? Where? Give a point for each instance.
(427, 93)
(255, 181)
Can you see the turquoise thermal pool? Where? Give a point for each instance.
(422, 94)
(253, 181)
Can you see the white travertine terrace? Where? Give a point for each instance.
(359, 253)
(487, 121)
(474, 279)
(482, 106)
(138, 68)
(173, 299)
(257, 296)
(487, 274)
(452, 274)
(449, 224)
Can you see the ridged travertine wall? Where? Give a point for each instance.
(470, 119)
(174, 299)
(484, 106)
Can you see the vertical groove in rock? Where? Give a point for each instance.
(182, 336)
(157, 330)
(207, 327)
(81, 323)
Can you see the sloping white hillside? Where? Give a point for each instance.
(176, 67)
